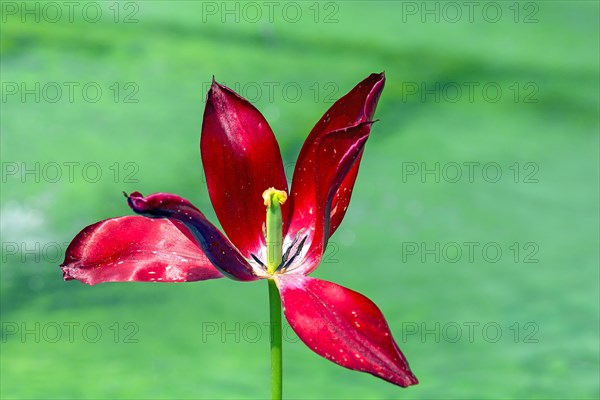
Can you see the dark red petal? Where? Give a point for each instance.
(343, 326)
(219, 250)
(241, 160)
(358, 106)
(335, 157)
(136, 248)
(341, 199)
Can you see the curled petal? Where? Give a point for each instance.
(335, 156)
(241, 160)
(219, 250)
(356, 107)
(136, 248)
(344, 327)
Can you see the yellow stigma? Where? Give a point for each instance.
(272, 193)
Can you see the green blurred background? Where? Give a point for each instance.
(483, 87)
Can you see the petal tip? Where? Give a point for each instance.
(214, 85)
(412, 380)
(380, 76)
(66, 272)
(70, 274)
(136, 202)
(215, 92)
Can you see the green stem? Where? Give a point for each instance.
(276, 345)
(273, 200)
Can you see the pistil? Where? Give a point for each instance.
(273, 199)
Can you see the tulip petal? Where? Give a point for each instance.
(344, 327)
(241, 160)
(219, 250)
(335, 157)
(356, 107)
(136, 248)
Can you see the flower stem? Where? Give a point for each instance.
(273, 200)
(276, 344)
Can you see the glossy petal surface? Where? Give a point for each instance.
(219, 250)
(343, 326)
(335, 157)
(356, 107)
(136, 248)
(241, 159)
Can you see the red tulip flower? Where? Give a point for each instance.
(172, 241)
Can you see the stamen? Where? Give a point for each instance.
(287, 252)
(296, 253)
(258, 261)
(285, 256)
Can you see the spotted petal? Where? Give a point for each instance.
(136, 248)
(344, 327)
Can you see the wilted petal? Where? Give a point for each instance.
(241, 160)
(219, 250)
(335, 156)
(356, 107)
(343, 326)
(136, 248)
